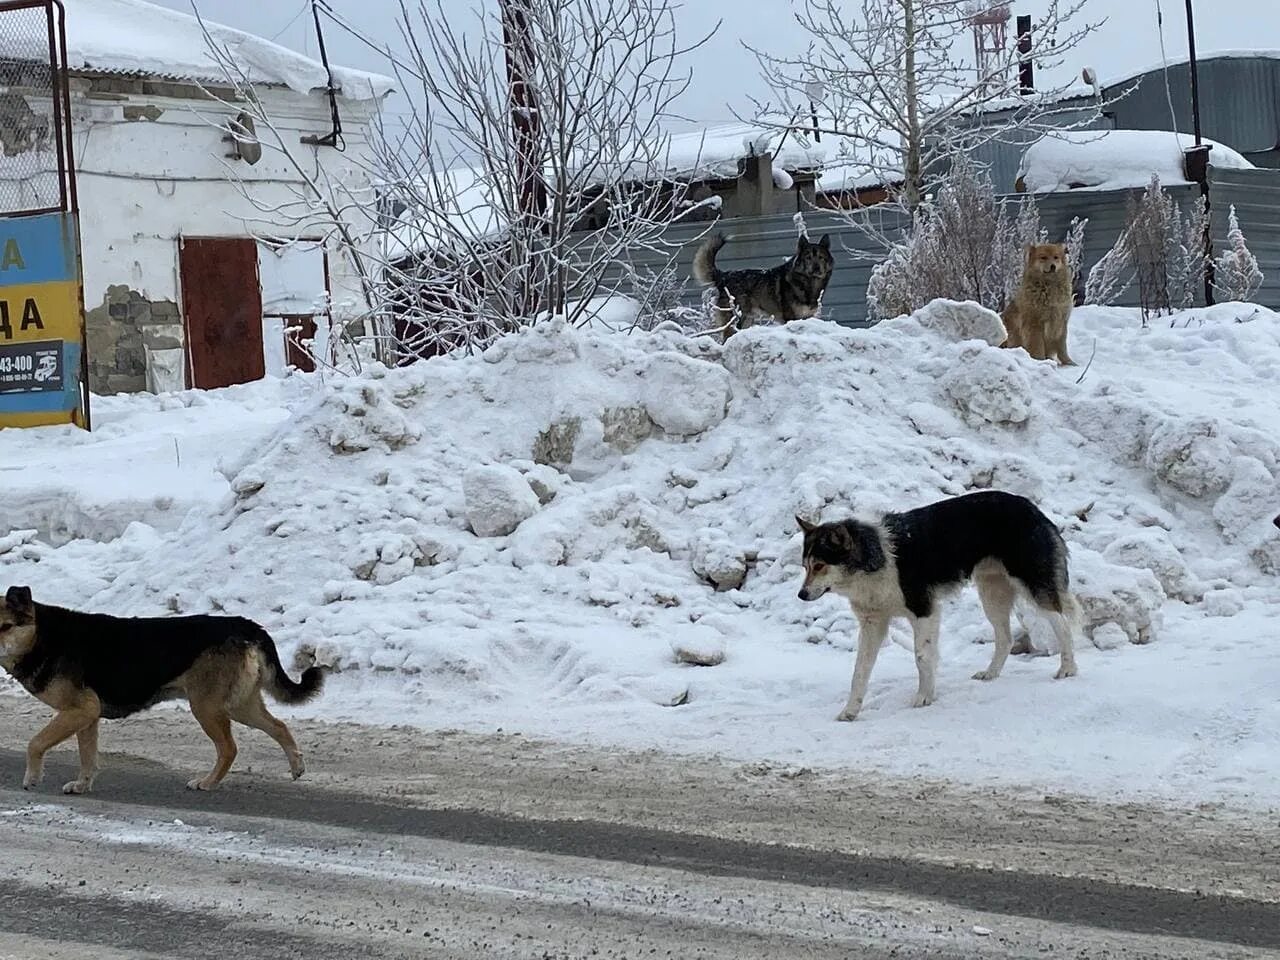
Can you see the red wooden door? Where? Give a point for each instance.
(222, 306)
(297, 328)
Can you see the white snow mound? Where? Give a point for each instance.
(635, 496)
(498, 499)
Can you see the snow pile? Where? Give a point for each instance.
(135, 37)
(150, 460)
(550, 536)
(498, 499)
(1114, 160)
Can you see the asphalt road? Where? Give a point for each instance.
(268, 868)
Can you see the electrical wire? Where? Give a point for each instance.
(292, 20)
(1164, 63)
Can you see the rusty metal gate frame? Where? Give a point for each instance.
(69, 202)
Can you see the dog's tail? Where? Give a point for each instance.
(278, 683)
(705, 270)
(1073, 611)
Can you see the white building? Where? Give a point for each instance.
(179, 287)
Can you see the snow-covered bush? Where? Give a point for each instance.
(1236, 275)
(659, 297)
(1161, 248)
(963, 244)
(1112, 274)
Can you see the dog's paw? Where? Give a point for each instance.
(1064, 671)
(923, 700)
(1022, 646)
(298, 770)
(848, 714)
(201, 783)
(985, 675)
(32, 778)
(77, 787)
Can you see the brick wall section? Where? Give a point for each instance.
(120, 330)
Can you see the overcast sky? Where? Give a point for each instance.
(725, 75)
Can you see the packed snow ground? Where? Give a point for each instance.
(638, 472)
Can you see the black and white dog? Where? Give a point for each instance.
(903, 564)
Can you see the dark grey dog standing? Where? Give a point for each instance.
(790, 291)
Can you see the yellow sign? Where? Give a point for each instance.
(41, 322)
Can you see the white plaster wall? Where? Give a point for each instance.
(143, 184)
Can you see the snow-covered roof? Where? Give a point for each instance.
(468, 211)
(1039, 100)
(136, 38)
(1114, 160)
(1201, 57)
(713, 152)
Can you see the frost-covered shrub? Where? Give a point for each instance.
(963, 244)
(659, 296)
(1161, 248)
(1236, 275)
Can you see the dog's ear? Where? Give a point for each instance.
(18, 600)
(862, 543)
(825, 242)
(804, 525)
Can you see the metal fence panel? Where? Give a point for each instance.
(765, 241)
(33, 159)
(1255, 194)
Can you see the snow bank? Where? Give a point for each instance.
(656, 478)
(135, 37)
(150, 460)
(1113, 160)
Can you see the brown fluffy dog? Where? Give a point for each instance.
(1036, 318)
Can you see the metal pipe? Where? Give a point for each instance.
(1195, 80)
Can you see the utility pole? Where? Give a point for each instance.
(1195, 80)
(1197, 158)
(526, 128)
(526, 119)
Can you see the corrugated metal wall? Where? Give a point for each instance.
(1106, 211)
(1239, 101)
(1239, 107)
(1256, 197)
(759, 242)
(766, 241)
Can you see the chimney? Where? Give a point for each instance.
(755, 185)
(1026, 70)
